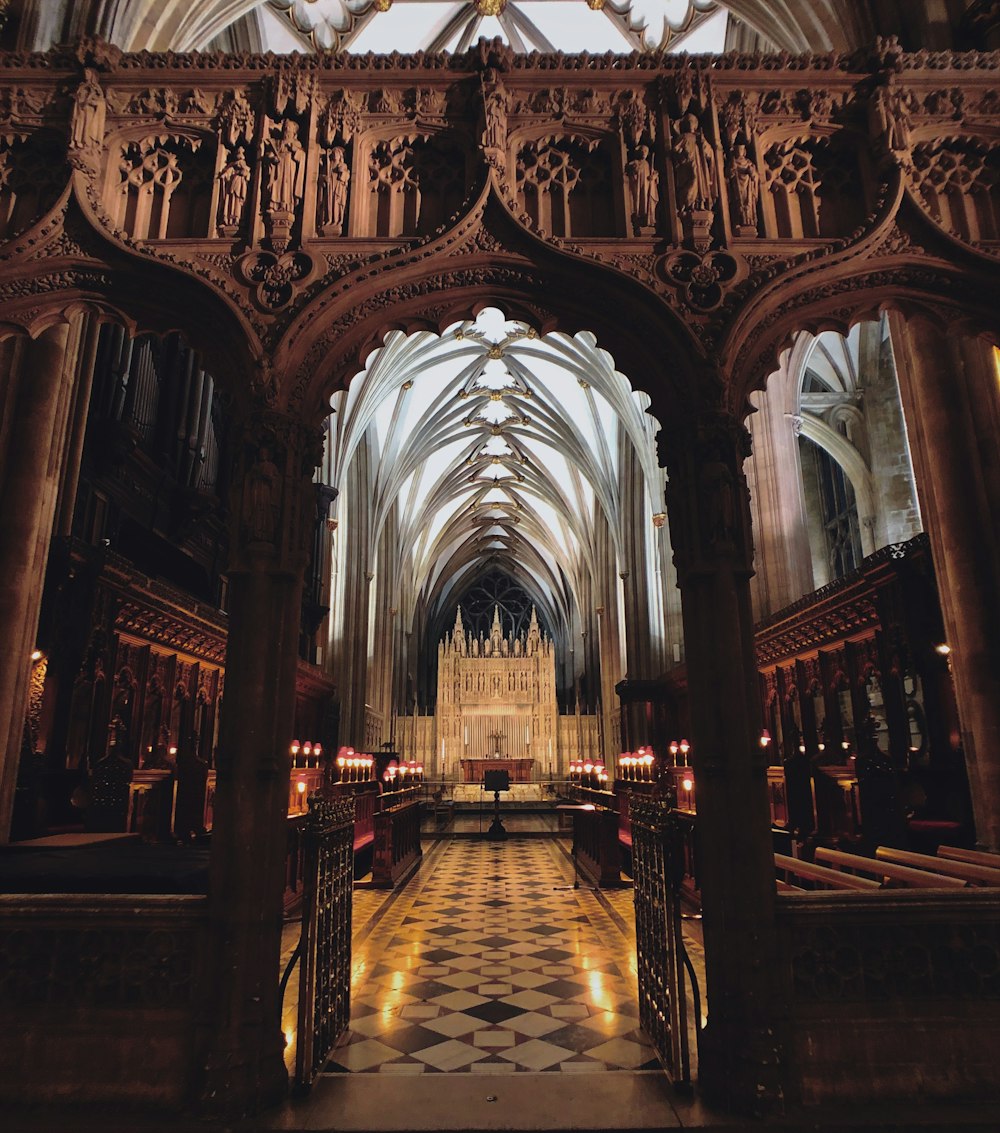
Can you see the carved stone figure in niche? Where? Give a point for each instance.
(89, 111)
(432, 102)
(198, 102)
(286, 161)
(261, 499)
(497, 103)
(337, 175)
(889, 116)
(694, 166)
(719, 505)
(236, 119)
(644, 189)
(386, 102)
(744, 182)
(632, 118)
(234, 183)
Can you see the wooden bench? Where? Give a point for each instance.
(967, 871)
(831, 878)
(898, 876)
(974, 857)
(787, 887)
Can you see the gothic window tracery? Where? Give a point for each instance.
(497, 589)
(812, 184)
(33, 172)
(164, 190)
(415, 184)
(959, 182)
(565, 186)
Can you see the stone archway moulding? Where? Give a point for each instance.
(694, 212)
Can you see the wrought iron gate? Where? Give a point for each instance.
(657, 865)
(325, 960)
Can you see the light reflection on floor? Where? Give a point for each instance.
(480, 964)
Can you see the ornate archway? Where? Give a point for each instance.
(692, 213)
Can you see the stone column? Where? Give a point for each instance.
(273, 512)
(36, 388)
(950, 387)
(709, 515)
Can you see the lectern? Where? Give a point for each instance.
(496, 781)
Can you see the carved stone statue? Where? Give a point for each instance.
(497, 104)
(234, 183)
(717, 500)
(261, 500)
(644, 188)
(694, 166)
(889, 117)
(286, 162)
(744, 181)
(236, 118)
(89, 110)
(335, 183)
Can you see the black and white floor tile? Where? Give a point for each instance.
(484, 964)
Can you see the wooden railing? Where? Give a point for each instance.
(595, 844)
(151, 799)
(887, 989)
(397, 843)
(90, 980)
(367, 803)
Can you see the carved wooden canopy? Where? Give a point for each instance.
(285, 212)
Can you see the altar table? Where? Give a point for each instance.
(520, 770)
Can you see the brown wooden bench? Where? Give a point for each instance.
(893, 876)
(967, 871)
(831, 878)
(974, 857)
(787, 887)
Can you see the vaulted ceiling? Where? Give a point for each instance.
(793, 25)
(495, 449)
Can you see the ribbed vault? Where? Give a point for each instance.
(189, 25)
(491, 448)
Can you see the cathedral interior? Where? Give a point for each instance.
(501, 564)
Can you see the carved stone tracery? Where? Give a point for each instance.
(277, 154)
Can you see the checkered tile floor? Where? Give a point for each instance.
(481, 966)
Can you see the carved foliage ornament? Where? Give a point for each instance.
(705, 279)
(275, 277)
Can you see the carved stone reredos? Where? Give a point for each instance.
(331, 195)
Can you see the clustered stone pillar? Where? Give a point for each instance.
(273, 515)
(37, 378)
(950, 387)
(709, 515)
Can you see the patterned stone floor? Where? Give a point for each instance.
(482, 965)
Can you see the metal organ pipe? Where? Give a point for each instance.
(204, 427)
(181, 413)
(121, 369)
